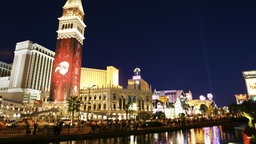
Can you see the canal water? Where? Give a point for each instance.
(205, 135)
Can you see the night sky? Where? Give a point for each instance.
(202, 46)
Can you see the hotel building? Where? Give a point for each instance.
(5, 72)
(30, 72)
(107, 99)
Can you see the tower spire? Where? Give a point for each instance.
(70, 4)
(66, 70)
(71, 23)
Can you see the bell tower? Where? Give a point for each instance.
(66, 70)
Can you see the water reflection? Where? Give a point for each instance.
(206, 135)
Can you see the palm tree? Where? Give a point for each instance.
(128, 109)
(73, 106)
(159, 115)
(234, 109)
(143, 115)
(247, 109)
(186, 107)
(203, 108)
(170, 104)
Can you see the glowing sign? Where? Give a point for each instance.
(137, 77)
(65, 80)
(163, 98)
(251, 86)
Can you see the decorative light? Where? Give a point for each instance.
(202, 98)
(209, 96)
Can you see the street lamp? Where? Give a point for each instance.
(89, 104)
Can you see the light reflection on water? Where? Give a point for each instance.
(206, 135)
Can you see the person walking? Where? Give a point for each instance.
(35, 128)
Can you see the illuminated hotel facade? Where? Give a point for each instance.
(161, 102)
(99, 77)
(101, 95)
(30, 72)
(39, 74)
(107, 99)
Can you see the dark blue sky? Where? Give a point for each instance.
(202, 46)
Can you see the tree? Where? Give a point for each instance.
(247, 109)
(73, 106)
(128, 109)
(143, 115)
(234, 109)
(170, 105)
(159, 115)
(185, 107)
(203, 108)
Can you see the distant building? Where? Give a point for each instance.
(163, 99)
(250, 81)
(5, 72)
(5, 69)
(100, 78)
(240, 98)
(111, 100)
(137, 82)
